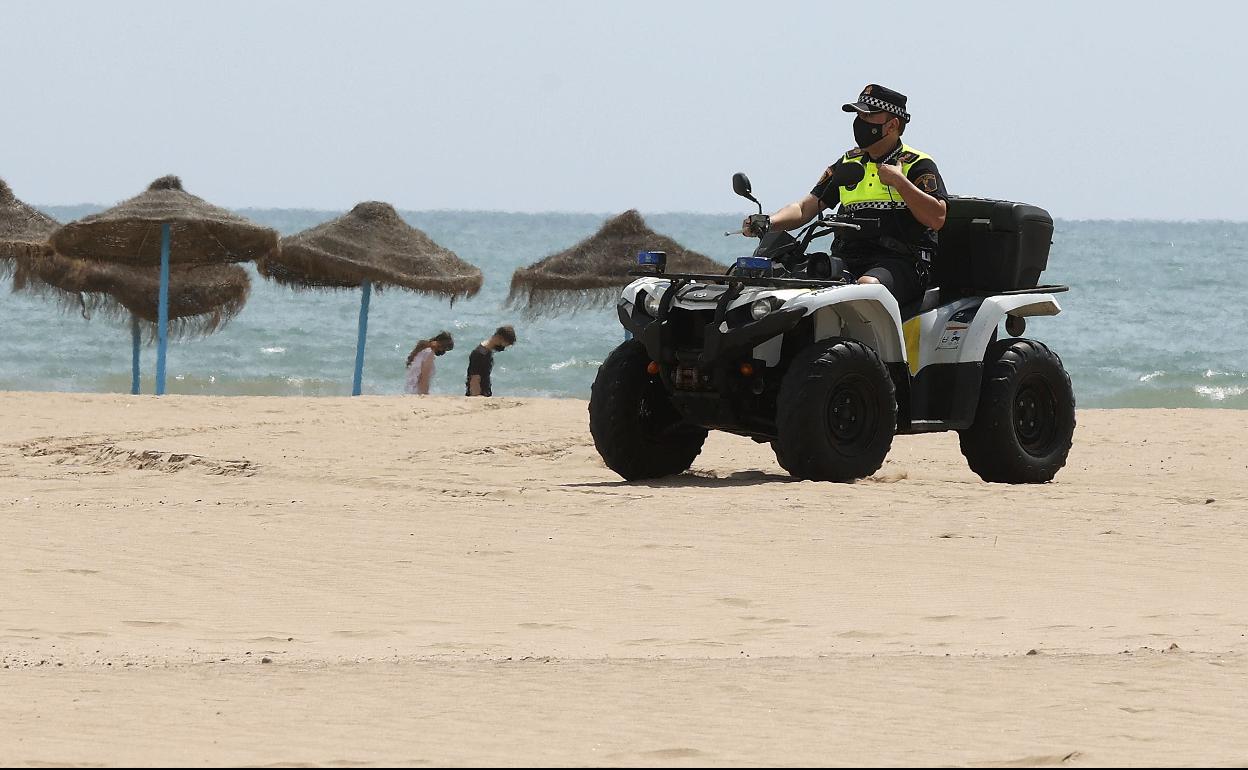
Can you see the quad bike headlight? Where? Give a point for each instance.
(652, 304)
(760, 309)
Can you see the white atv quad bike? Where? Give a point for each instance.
(785, 350)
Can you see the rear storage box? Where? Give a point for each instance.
(991, 246)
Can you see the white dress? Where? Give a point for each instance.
(413, 371)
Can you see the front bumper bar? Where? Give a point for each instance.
(656, 333)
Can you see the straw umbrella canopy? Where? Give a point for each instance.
(23, 229)
(109, 262)
(370, 243)
(202, 298)
(129, 233)
(592, 272)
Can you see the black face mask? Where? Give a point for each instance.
(499, 348)
(439, 352)
(867, 134)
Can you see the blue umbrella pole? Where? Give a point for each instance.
(359, 345)
(162, 323)
(135, 343)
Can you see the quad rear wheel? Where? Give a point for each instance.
(1025, 421)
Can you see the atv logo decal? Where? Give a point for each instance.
(965, 315)
(952, 337)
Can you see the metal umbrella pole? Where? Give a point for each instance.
(135, 343)
(162, 322)
(367, 287)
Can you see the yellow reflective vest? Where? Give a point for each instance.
(871, 193)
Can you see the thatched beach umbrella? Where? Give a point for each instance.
(370, 246)
(23, 229)
(201, 298)
(162, 226)
(593, 271)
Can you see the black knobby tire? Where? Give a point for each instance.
(1025, 421)
(636, 429)
(836, 413)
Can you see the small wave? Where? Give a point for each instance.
(271, 351)
(1216, 393)
(1211, 373)
(1151, 377)
(574, 362)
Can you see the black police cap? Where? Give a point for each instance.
(877, 98)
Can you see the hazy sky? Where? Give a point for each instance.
(1090, 109)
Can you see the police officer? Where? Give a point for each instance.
(900, 201)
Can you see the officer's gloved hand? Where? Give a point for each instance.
(891, 174)
(755, 225)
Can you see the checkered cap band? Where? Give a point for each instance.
(880, 104)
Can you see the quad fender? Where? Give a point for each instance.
(864, 312)
(653, 285)
(989, 316)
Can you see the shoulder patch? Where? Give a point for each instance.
(908, 157)
(926, 183)
(857, 152)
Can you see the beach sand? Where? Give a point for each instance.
(389, 580)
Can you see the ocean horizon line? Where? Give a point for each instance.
(89, 208)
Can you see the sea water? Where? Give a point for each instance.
(1155, 318)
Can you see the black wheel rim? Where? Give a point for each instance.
(652, 423)
(851, 417)
(658, 419)
(1035, 416)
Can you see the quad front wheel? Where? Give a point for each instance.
(636, 429)
(837, 412)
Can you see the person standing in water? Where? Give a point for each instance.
(481, 361)
(420, 365)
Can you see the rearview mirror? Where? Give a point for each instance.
(741, 185)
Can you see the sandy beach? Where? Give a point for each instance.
(388, 580)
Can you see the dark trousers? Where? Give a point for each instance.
(900, 275)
